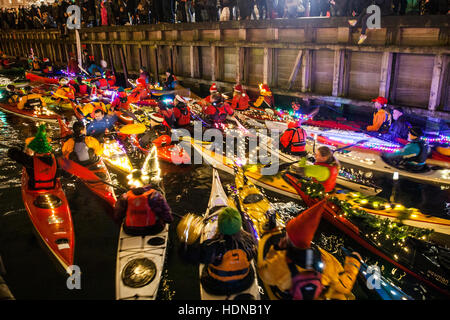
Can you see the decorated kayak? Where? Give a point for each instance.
(104, 191)
(116, 157)
(37, 78)
(140, 259)
(50, 214)
(36, 115)
(218, 200)
(373, 225)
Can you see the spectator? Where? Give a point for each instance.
(230, 4)
(245, 9)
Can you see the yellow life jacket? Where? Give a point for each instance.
(234, 266)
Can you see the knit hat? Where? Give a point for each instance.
(238, 88)
(229, 221)
(416, 131)
(40, 144)
(213, 88)
(382, 100)
(301, 229)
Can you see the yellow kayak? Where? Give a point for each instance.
(115, 156)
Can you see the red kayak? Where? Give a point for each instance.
(103, 190)
(331, 214)
(45, 115)
(50, 214)
(36, 78)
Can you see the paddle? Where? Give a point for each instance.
(288, 164)
(83, 173)
(133, 128)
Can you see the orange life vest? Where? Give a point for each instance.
(234, 266)
(297, 140)
(139, 213)
(44, 175)
(330, 183)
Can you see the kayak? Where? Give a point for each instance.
(101, 189)
(334, 216)
(12, 71)
(116, 157)
(140, 259)
(340, 138)
(37, 78)
(218, 200)
(44, 115)
(50, 214)
(386, 291)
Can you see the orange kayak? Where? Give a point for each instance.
(50, 214)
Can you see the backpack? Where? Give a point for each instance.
(305, 285)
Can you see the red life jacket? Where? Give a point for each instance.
(103, 84)
(111, 81)
(139, 213)
(44, 175)
(182, 115)
(330, 183)
(82, 88)
(240, 102)
(297, 140)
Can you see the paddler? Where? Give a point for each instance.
(101, 123)
(181, 112)
(10, 94)
(227, 256)
(399, 129)
(293, 140)
(65, 91)
(240, 98)
(80, 87)
(4, 62)
(171, 80)
(145, 209)
(382, 118)
(38, 160)
(120, 100)
(212, 92)
(166, 113)
(265, 99)
(412, 157)
(305, 271)
(30, 101)
(324, 171)
(93, 68)
(143, 74)
(218, 110)
(82, 149)
(47, 66)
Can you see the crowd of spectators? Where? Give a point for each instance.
(47, 14)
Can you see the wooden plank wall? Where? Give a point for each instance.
(407, 60)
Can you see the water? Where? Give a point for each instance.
(31, 273)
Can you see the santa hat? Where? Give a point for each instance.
(213, 88)
(265, 87)
(302, 228)
(238, 88)
(382, 100)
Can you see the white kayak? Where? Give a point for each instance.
(140, 259)
(373, 161)
(218, 200)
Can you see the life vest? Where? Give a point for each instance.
(330, 183)
(139, 213)
(234, 266)
(387, 122)
(103, 84)
(82, 88)
(44, 174)
(220, 113)
(297, 142)
(185, 115)
(240, 102)
(423, 154)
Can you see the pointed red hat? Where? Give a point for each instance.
(265, 87)
(213, 88)
(302, 228)
(238, 88)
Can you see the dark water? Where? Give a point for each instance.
(31, 273)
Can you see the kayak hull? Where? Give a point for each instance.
(50, 215)
(12, 109)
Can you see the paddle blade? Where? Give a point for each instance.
(77, 170)
(190, 228)
(134, 128)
